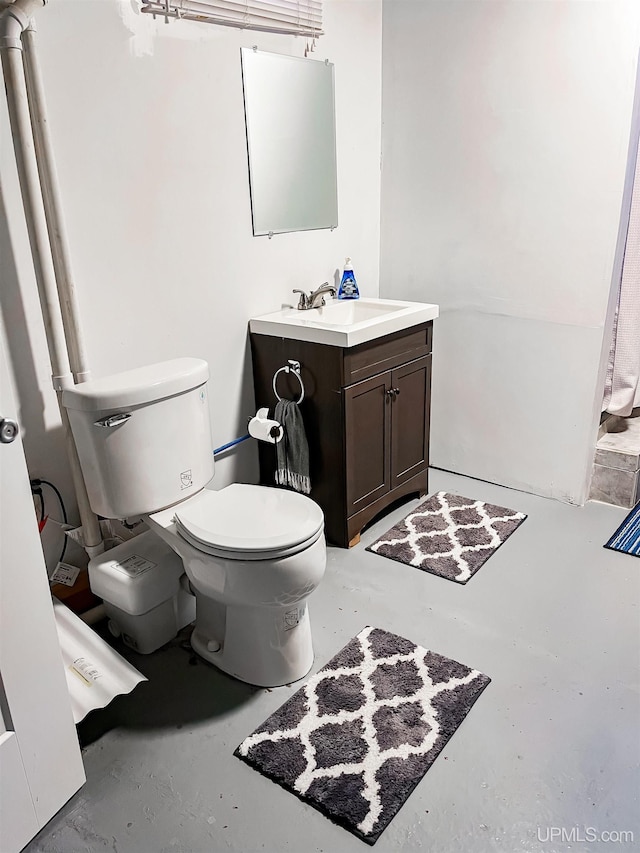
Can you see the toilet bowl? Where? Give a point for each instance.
(252, 554)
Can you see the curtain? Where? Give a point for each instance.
(622, 388)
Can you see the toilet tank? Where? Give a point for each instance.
(143, 436)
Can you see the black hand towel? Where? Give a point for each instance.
(292, 451)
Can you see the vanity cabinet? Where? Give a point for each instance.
(366, 415)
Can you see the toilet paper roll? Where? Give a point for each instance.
(265, 429)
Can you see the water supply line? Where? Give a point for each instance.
(230, 444)
(46, 230)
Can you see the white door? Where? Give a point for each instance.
(40, 760)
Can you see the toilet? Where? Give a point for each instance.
(252, 555)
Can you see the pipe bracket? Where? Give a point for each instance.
(62, 381)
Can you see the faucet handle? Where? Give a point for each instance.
(303, 302)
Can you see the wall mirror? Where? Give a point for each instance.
(291, 142)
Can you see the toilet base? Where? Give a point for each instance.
(265, 646)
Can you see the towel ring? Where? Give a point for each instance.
(294, 368)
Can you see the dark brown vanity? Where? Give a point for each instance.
(366, 415)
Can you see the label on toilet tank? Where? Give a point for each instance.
(134, 566)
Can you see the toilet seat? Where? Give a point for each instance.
(245, 522)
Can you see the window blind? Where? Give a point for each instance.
(296, 17)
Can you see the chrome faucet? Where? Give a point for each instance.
(316, 298)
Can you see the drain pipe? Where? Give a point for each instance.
(49, 188)
(11, 54)
(52, 209)
(13, 22)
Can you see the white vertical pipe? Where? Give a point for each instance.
(36, 229)
(53, 209)
(12, 21)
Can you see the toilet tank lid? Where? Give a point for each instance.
(138, 386)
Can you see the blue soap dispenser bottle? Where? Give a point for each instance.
(348, 287)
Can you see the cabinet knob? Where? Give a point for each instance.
(396, 391)
(389, 393)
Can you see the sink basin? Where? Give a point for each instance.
(343, 313)
(344, 323)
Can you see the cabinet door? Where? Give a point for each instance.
(367, 433)
(411, 394)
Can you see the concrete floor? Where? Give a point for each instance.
(547, 760)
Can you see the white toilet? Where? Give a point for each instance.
(252, 554)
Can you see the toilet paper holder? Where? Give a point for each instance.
(264, 428)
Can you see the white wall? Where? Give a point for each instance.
(148, 129)
(506, 127)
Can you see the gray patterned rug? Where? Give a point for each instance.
(449, 535)
(358, 737)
